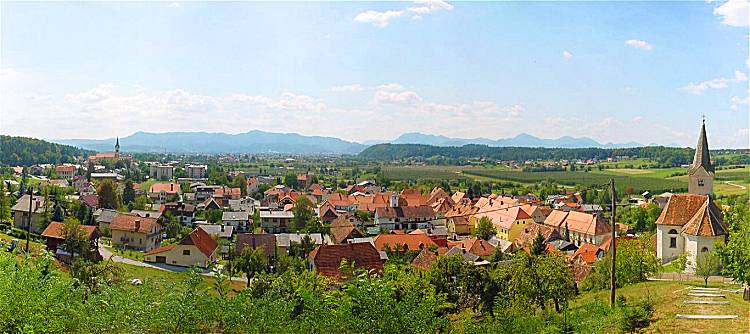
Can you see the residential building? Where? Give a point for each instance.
(134, 232)
(196, 249)
(220, 231)
(161, 172)
(65, 171)
(276, 221)
(55, 238)
(103, 218)
(579, 227)
(20, 212)
(185, 213)
(342, 230)
(326, 259)
(285, 240)
(196, 171)
(162, 192)
(458, 219)
(508, 221)
(403, 242)
(239, 219)
(404, 217)
(261, 240)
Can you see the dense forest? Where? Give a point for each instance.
(666, 156)
(24, 151)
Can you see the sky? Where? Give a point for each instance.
(619, 72)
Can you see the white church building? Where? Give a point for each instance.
(691, 223)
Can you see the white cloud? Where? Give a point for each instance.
(418, 10)
(348, 88)
(567, 55)
(174, 5)
(630, 90)
(734, 13)
(426, 7)
(717, 83)
(390, 86)
(639, 44)
(379, 19)
(738, 102)
(97, 94)
(396, 96)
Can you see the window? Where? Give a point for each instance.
(672, 231)
(704, 249)
(185, 252)
(700, 183)
(672, 242)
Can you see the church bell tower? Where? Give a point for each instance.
(117, 149)
(701, 171)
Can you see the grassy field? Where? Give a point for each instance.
(669, 297)
(424, 172)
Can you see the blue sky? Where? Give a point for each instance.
(612, 71)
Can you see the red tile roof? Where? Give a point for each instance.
(414, 242)
(342, 229)
(161, 249)
(267, 241)
(55, 230)
(478, 246)
(697, 214)
(588, 253)
(201, 240)
(133, 223)
(327, 258)
(406, 212)
(90, 200)
(169, 188)
(65, 168)
(424, 260)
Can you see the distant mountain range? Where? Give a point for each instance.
(521, 140)
(204, 142)
(257, 141)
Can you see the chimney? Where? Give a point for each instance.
(137, 224)
(148, 215)
(222, 227)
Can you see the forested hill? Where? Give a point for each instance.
(388, 152)
(24, 151)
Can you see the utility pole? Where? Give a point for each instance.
(28, 226)
(612, 246)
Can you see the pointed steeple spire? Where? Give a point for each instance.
(702, 156)
(117, 141)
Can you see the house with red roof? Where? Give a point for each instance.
(402, 242)
(580, 226)
(160, 192)
(55, 240)
(196, 249)
(135, 232)
(326, 259)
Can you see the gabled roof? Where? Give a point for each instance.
(579, 222)
(201, 240)
(55, 230)
(342, 229)
(132, 223)
(697, 215)
(169, 188)
(238, 215)
(478, 246)
(529, 232)
(425, 259)
(267, 241)
(105, 215)
(23, 204)
(91, 201)
(327, 258)
(396, 242)
(589, 253)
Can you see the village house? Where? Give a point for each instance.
(276, 221)
(65, 171)
(134, 232)
(55, 239)
(219, 231)
(458, 219)
(580, 227)
(185, 213)
(252, 185)
(476, 246)
(103, 218)
(284, 240)
(162, 192)
(508, 221)
(265, 241)
(342, 229)
(404, 217)
(326, 259)
(195, 249)
(403, 242)
(20, 212)
(240, 220)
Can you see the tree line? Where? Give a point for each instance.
(665, 156)
(25, 151)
